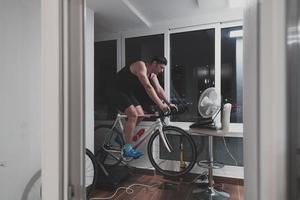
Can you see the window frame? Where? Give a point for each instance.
(230, 25)
(218, 26)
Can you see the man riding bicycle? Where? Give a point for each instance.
(133, 85)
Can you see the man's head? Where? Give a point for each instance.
(158, 64)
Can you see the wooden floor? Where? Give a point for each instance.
(164, 189)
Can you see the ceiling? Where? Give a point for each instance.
(114, 16)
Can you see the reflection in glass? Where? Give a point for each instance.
(192, 69)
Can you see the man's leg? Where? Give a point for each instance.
(130, 124)
(132, 116)
(140, 112)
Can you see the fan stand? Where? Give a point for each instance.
(210, 193)
(206, 123)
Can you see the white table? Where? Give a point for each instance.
(235, 130)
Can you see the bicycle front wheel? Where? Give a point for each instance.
(182, 157)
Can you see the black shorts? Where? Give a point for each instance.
(122, 100)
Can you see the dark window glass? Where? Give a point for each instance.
(192, 69)
(143, 48)
(105, 68)
(232, 71)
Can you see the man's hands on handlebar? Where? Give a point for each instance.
(164, 108)
(173, 107)
(168, 108)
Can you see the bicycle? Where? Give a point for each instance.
(171, 150)
(33, 189)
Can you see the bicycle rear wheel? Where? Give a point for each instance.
(91, 172)
(182, 157)
(33, 189)
(109, 142)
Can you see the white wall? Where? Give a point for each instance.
(20, 96)
(89, 79)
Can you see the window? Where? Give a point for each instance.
(143, 48)
(105, 68)
(232, 71)
(192, 67)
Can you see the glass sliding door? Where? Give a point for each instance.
(192, 69)
(293, 98)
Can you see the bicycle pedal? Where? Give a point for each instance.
(124, 158)
(111, 148)
(106, 146)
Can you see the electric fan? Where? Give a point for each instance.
(209, 106)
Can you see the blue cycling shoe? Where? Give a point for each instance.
(129, 151)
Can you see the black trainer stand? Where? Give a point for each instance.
(112, 177)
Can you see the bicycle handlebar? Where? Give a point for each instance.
(157, 113)
(160, 114)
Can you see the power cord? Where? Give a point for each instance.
(236, 163)
(128, 190)
(232, 157)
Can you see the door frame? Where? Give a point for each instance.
(265, 130)
(63, 99)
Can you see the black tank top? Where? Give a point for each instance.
(126, 81)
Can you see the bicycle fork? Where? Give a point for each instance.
(165, 139)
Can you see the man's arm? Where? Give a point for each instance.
(140, 71)
(160, 91)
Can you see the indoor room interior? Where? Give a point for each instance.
(231, 68)
(203, 43)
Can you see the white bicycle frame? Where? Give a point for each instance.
(157, 125)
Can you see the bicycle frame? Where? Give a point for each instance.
(114, 142)
(156, 126)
